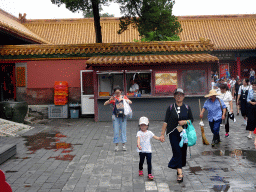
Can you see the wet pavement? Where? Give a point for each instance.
(78, 155)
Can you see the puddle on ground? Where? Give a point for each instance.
(236, 153)
(64, 158)
(196, 169)
(49, 141)
(20, 158)
(218, 178)
(10, 171)
(223, 188)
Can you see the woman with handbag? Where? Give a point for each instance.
(176, 119)
(118, 117)
(216, 112)
(226, 96)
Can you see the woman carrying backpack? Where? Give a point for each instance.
(118, 117)
(176, 118)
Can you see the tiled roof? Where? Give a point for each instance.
(13, 25)
(226, 32)
(80, 31)
(231, 32)
(149, 59)
(107, 48)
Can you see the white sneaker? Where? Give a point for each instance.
(116, 148)
(124, 148)
(249, 136)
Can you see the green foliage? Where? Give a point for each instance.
(154, 36)
(152, 18)
(90, 14)
(88, 7)
(80, 5)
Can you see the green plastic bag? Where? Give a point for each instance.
(191, 134)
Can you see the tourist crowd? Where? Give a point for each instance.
(243, 94)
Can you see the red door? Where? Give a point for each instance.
(7, 82)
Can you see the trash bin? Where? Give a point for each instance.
(74, 111)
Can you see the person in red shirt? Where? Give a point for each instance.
(118, 117)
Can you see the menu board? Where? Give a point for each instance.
(165, 82)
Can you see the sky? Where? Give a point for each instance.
(44, 9)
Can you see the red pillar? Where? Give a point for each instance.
(95, 87)
(238, 63)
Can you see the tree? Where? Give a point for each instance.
(88, 6)
(89, 15)
(153, 18)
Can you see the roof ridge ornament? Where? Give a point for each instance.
(88, 50)
(22, 18)
(204, 41)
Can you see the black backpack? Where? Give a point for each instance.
(119, 108)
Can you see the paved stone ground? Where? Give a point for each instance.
(12, 129)
(78, 155)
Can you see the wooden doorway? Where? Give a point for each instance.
(7, 82)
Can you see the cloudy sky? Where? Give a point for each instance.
(44, 9)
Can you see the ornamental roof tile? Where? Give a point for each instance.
(13, 25)
(150, 59)
(227, 32)
(107, 48)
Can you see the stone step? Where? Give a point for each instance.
(7, 151)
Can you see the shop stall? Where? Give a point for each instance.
(157, 76)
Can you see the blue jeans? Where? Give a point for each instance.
(251, 79)
(119, 123)
(215, 126)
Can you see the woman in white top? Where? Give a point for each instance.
(227, 98)
(232, 84)
(242, 96)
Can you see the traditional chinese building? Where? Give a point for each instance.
(36, 53)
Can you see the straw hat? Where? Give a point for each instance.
(212, 92)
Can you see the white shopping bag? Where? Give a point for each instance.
(127, 109)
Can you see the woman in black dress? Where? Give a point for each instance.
(176, 118)
(237, 85)
(251, 99)
(242, 97)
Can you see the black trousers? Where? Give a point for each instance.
(227, 125)
(142, 158)
(251, 122)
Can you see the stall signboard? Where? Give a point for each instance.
(165, 82)
(223, 69)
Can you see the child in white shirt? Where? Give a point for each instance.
(144, 146)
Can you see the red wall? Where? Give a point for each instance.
(43, 74)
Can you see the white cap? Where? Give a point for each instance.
(143, 120)
(179, 90)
